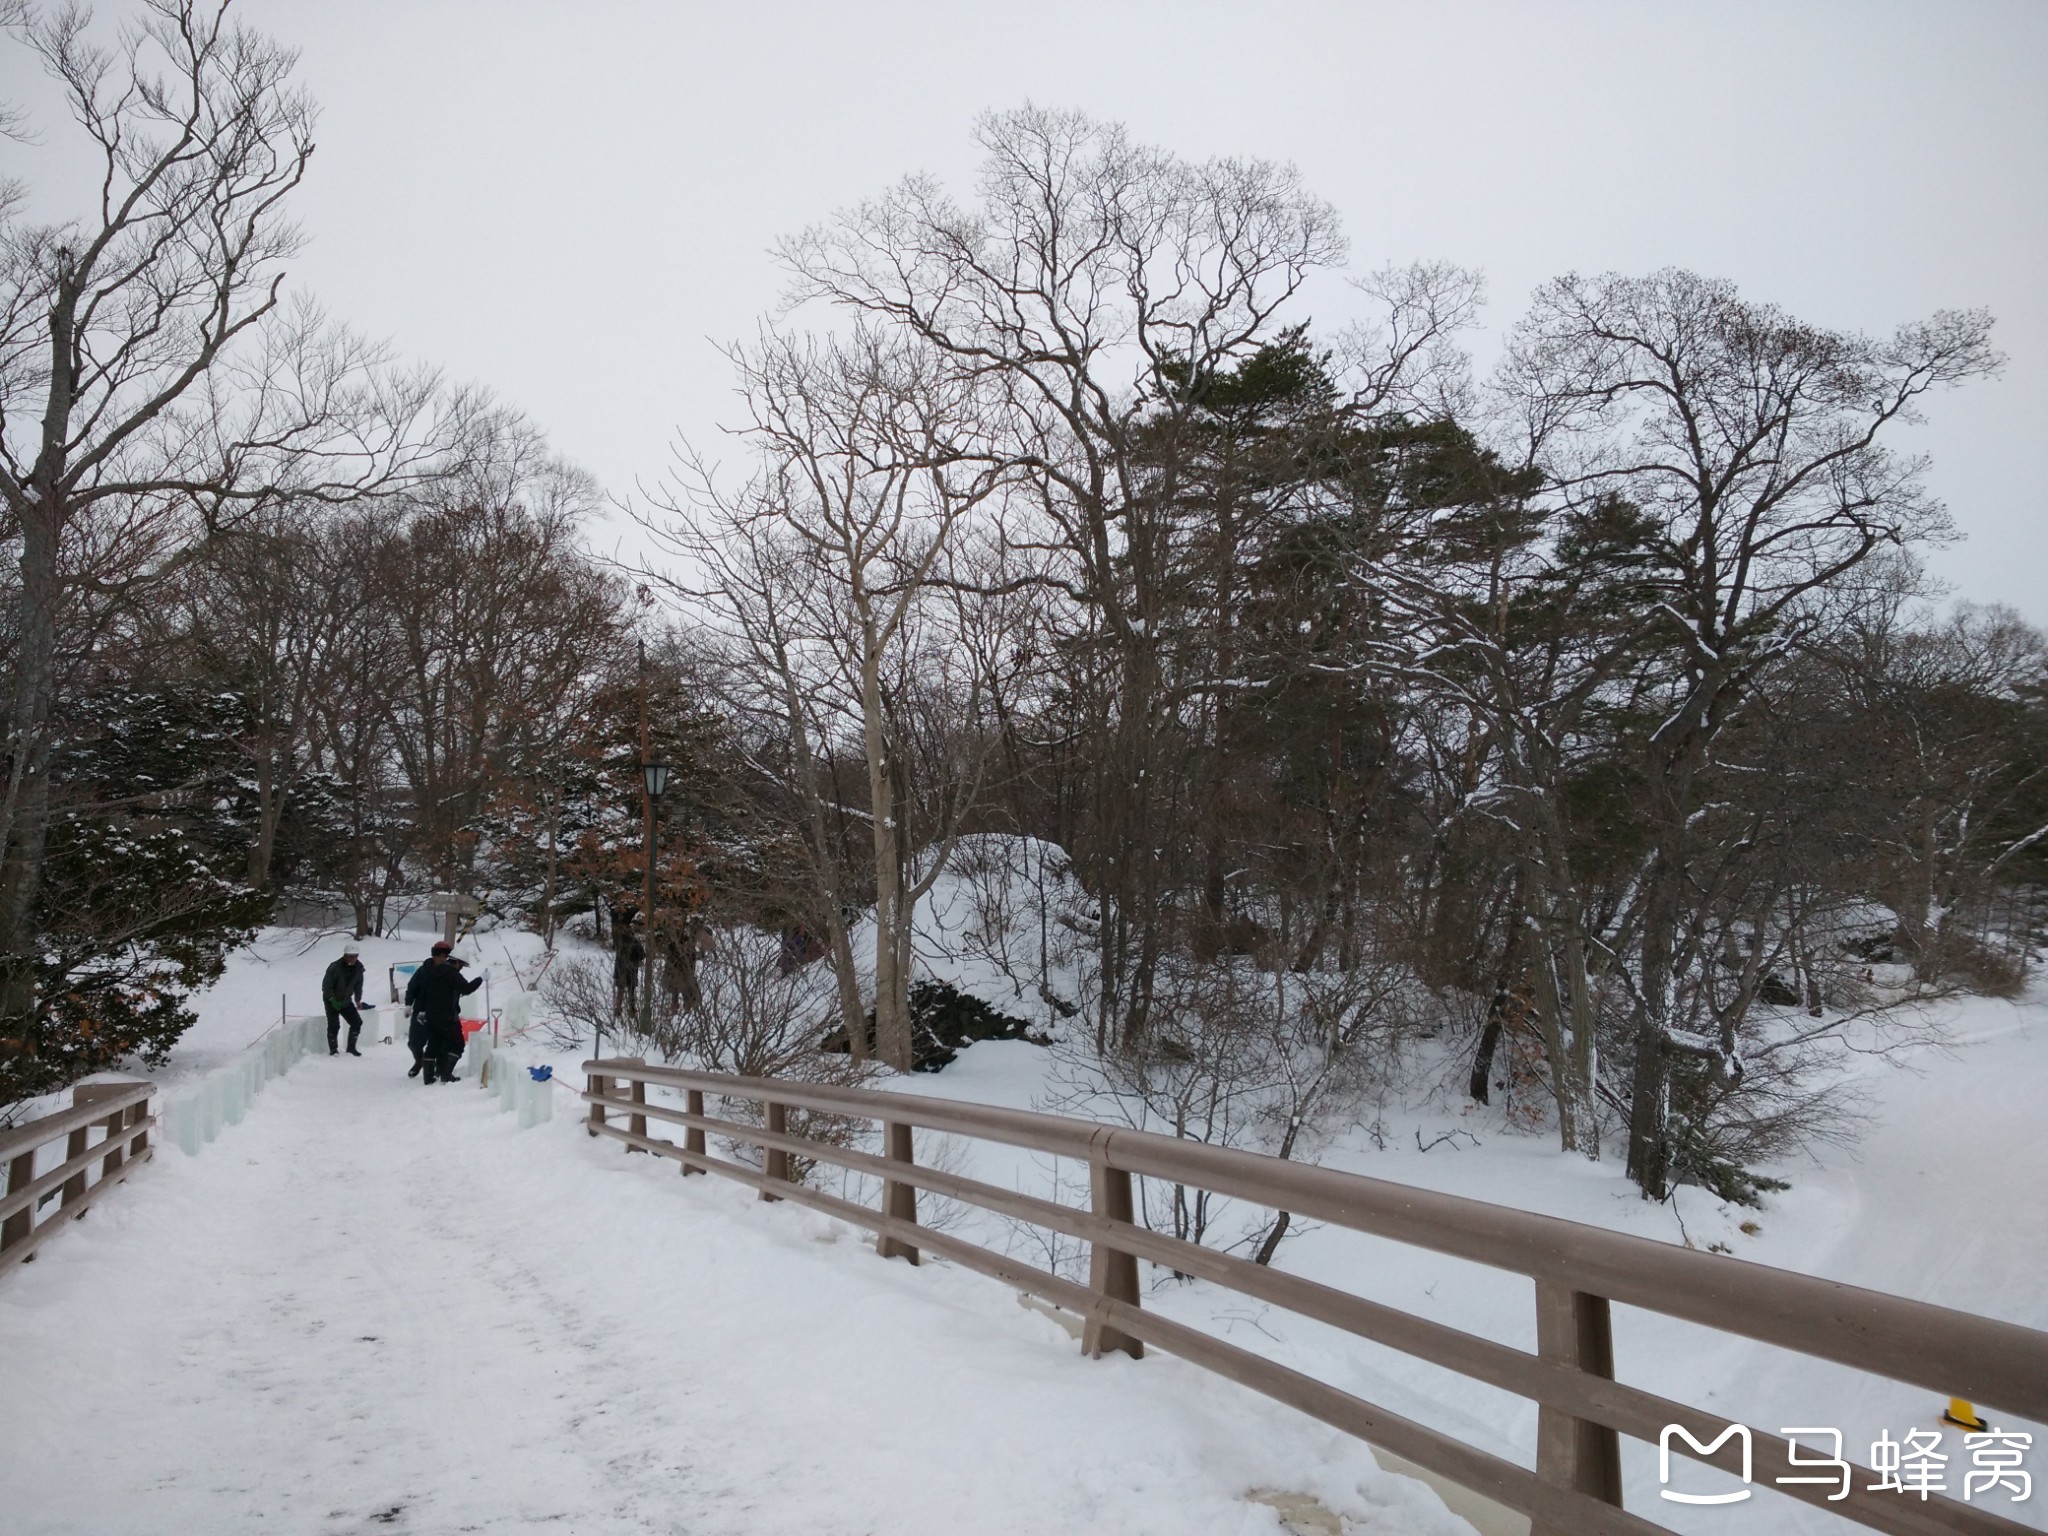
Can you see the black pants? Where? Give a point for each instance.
(336, 1012)
(438, 1044)
(447, 1042)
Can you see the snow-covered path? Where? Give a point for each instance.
(375, 1306)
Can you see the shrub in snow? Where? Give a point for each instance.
(944, 1021)
(754, 1017)
(1239, 1056)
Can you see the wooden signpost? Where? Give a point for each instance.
(451, 905)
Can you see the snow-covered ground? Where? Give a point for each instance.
(369, 1297)
(1942, 1200)
(280, 974)
(377, 1306)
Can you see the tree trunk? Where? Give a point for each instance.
(1131, 941)
(269, 812)
(26, 823)
(844, 972)
(553, 816)
(1919, 926)
(1649, 1151)
(1550, 1010)
(1480, 1085)
(1649, 1125)
(893, 1042)
(1677, 751)
(1585, 1058)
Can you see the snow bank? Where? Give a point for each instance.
(519, 1085)
(1006, 922)
(194, 1112)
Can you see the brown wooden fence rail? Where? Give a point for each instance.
(120, 1111)
(1579, 1271)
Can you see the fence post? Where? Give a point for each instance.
(74, 1187)
(87, 1093)
(21, 1172)
(775, 1161)
(111, 1163)
(899, 1199)
(601, 1085)
(1574, 1328)
(137, 1113)
(637, 1124)
(1112, 1275)
(693, 1138)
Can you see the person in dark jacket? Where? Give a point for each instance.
(415, 1021)
(341, 993)
(436, 994)
(629, 954)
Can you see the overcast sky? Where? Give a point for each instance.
(572, 202)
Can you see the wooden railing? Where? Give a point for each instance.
(120, 1111)
(1578, 1272)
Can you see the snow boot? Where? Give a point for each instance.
(414, 1069)
(429, 1078)
(448, 1070)
(353, 1051)
(353, 1036)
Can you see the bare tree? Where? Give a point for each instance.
(1523, 628)
(1243, 1056)
(1751, 444)
(147, 356)
(758, 1017)
(273, 611)
(1944, 761)
(836, 578)
(349, 733)
(495, 620)
(1094, 288)
(1093, 272)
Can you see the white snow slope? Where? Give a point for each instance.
(375, 1306)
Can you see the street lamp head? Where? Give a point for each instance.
(657, 777)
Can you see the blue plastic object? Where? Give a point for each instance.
(540, 1074)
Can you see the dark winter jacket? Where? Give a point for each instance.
(342, 982)
(627, 959)
(437, 989)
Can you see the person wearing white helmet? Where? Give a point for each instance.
(341, 992)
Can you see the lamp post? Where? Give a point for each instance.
(655, 776)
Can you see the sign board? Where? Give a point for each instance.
(453, 901)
